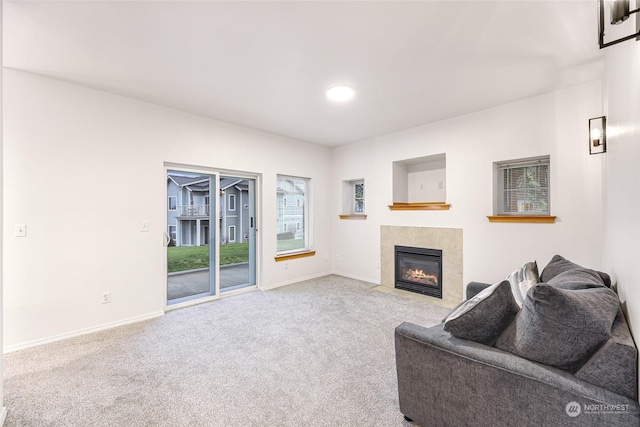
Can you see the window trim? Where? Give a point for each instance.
(306, 219)
(230, 204)
(499, 190)
(232, 227)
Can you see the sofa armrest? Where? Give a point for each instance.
(473, 288)
(446, 381)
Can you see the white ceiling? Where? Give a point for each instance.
(267, 64)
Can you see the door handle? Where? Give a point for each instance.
(166, 239)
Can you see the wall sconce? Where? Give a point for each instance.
(598, 135)
(618, 13)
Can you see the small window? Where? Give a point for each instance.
(206, 200)
(232, 202)
(172, 232)
(522, 187)
(358, 197)
(173, 203)
(232, 233)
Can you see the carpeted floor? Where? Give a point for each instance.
(316, 353)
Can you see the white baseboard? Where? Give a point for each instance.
(60, 337)
(3, 416)
(352, 276)
(290, 282)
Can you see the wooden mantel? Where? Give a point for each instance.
(421, 206)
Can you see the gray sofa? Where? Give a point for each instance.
(444, 380)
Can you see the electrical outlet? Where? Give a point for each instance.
(377, 265)
(286, 265)
(106, 297)
(440, 185)
(337, 257)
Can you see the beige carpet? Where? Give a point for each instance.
(316, 353)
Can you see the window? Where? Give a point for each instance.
(292, 214)
(522, 187)
(232, 233)
(173, 203)
(358, 197)
(232, 202)
(353, 199)
(172, 232)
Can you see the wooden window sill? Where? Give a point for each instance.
(542, 219)
(423, 206)
(294, 255)
(353, 216)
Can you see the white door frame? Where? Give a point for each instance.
(215, 220)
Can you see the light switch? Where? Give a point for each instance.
(144, 225)
(20, 230)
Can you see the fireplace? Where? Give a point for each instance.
(419, 270)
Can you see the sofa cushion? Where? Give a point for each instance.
(559, 264)
(483, 317)
(614, 365)
(523, 279)
(561, 327)
(577, 279)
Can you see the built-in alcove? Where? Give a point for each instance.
(353, 206)
(420, 183)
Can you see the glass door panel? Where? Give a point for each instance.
(237, 233)
(189, 254)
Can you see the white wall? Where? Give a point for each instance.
(83, 168)
(554, 124)
(3, 410)
(622, 174)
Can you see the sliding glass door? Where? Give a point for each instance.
(211, 234)
(237, 233)
(190, 256)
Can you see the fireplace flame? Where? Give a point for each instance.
(420, 276)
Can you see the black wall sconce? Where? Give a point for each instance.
(619, 12)
(598, 135)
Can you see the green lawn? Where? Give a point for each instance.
(191, 257)
(290, 245)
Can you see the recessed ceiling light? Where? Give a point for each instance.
(340, 93)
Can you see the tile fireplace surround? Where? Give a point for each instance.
(449, 240)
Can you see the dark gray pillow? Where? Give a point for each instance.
(559, 264)
(483, 317)
(614, 365)
(561, 327)
(577, 279)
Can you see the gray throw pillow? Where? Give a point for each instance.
(561, 327)
(577, 279)
(483, 317)
(559, 264)
(522, 280)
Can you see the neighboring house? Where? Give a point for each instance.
(234, 210)
(188, 210)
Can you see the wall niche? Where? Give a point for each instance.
(420, 183)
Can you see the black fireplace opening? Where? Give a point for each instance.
(419, 270)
